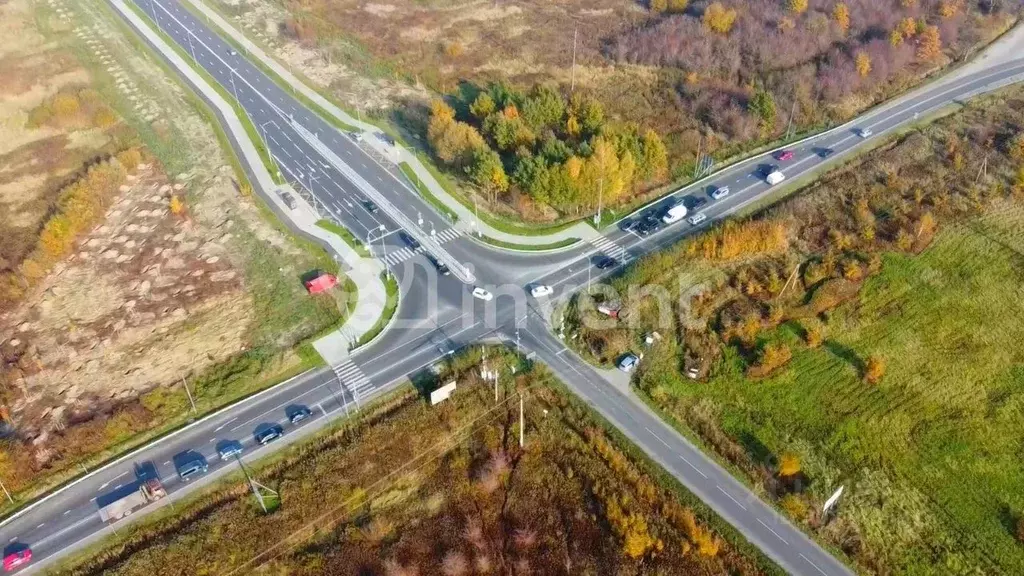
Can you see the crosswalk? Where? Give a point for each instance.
(352, 379)
(610, 248)
(448, 235)
(401, 255)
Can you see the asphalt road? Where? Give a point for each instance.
(437, 315)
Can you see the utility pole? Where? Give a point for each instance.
(792, 111)
(600, 194)
(696, 165)
(572, 82)
(8, 494)
(255, 486)
(522, 423)
(189, 392)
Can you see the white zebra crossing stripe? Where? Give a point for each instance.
(352, 377)
(605, 245)
(448, 235)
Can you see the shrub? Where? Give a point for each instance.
(130, 159)
(1020, 529)
(104, 118)
(841, 15)
(177, 205)
(789, 465)
(929, 44)
(39, 116)
(718, 18)
(795, 506)
(814, 335)
(874, 369)
(658, 6)
(65, 107)
(771, 358)
(797, 6)
(863, 63)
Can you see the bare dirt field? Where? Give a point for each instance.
(124, 272)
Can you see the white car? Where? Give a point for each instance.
(541, 290)
(696, 219)
(628, 362)
(864, 132)
(720, 192)
(482, 294)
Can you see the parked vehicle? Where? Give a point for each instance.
(190, 468)
(288, 200)
(17, 559)
(674, 214)
(648, 226)
(150, 490)
(720, 192)
(269, 434)
(784, 155)
(482, 294)
(696, 219)
(628, 362)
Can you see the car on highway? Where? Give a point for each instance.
(17, 558)
(233, 52)
(826, 152)
(783, 155)
(647, 226)
(696, 202)
(482, 294)
(864, 132)
(538, 290)
(696, 219)
(628, 362)
(193, 466)
(229, 449)
(442, 269)
(720, 192)
(297, 414)
(370, 207)
(268, 434)
(410, 241)
(604, 262)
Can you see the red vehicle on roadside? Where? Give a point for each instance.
(17, 559)
(784, 155)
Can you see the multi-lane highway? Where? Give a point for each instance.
(438, 314)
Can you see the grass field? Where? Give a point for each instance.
(412, 489)
(931, 455)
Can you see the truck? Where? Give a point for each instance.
(148, 491)
(774, 177)
(674, 214)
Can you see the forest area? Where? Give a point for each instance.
(858, 332)
(706, 78)
(417, 490)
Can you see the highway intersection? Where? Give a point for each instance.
(437, 314)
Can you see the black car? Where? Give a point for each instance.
(370, 207)
(648, 226)
(410, 241)
(298, 414)
(767, 169)
(441, 268)
(269, 434)
(826, 152)
(603, 262)
(695, 202)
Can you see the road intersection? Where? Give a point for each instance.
(438, 316)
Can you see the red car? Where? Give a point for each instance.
(784, 155)
(16, 559)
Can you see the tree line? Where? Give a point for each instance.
(560, 151)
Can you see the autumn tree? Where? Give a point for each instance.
(841, 16)
(863, 63)
(895, 38)
(1015, 147)
(487, 171)
(177, 205)
(907, 27)
(795, 506)
(948, 8)
(678, 6)
(874, 369)
(813, 335)
(453, 142)
(543, 108)
(718, 18)
(658, 6)
(483, 106)
(929, 43)
(789, 465)
(797, 6)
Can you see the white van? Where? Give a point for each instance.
(674, 214)
(774, 178)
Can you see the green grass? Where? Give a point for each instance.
(391, 286)
(345, 235)
(931, 455)
(529, 247)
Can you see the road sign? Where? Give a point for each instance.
(831, 502)
(442, 393)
